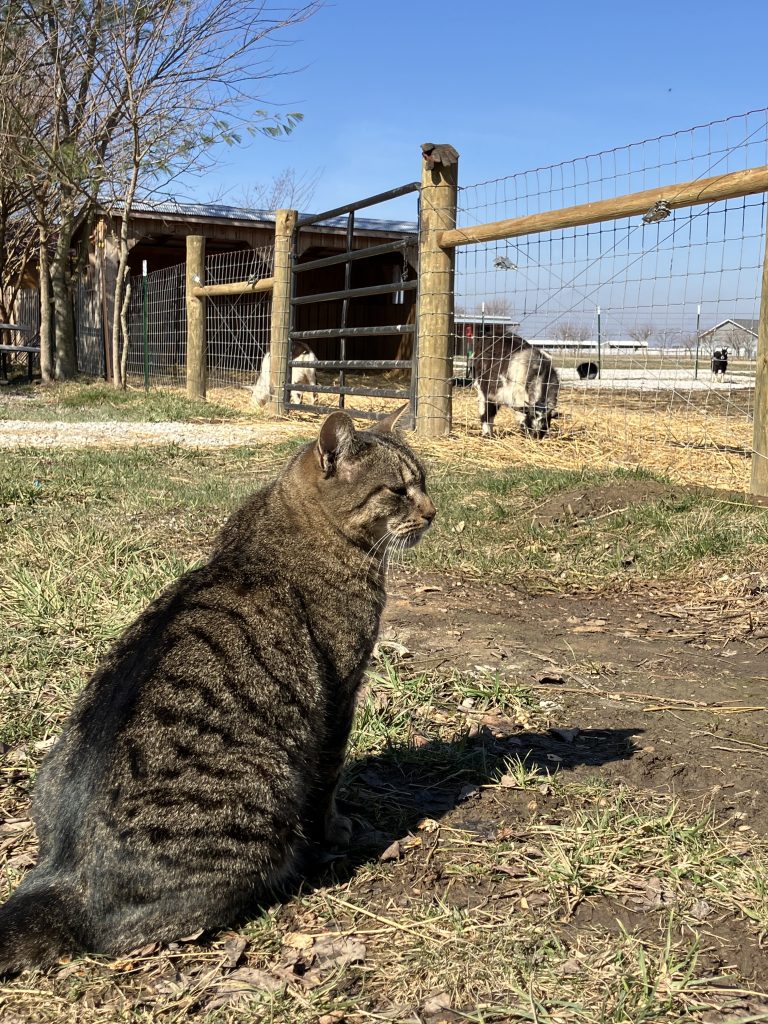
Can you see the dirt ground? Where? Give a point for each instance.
(689, 690)
(650, 690)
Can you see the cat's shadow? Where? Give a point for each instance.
(388, 796)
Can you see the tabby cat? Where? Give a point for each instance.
(202, 758)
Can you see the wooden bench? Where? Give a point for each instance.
(5, 350)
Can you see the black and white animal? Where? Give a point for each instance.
(720, 361)
(507, 370)
(304, 374)
(587, 371)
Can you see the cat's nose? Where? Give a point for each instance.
(428, 510)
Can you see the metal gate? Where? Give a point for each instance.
(343, 330)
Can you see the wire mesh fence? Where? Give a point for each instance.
(25, 313)
(631, 311)
(238, 326)
(157, 327)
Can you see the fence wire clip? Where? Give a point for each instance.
(659, 211)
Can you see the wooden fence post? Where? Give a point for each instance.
(197, 357)
(285, 223)
(759, 484)
(439, 187)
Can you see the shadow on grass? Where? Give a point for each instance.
(388, 794)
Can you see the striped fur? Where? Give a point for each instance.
(203, 756)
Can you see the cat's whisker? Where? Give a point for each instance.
(371, 565)
(400, 553)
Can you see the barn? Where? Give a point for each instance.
(242, 238)
(737, 335)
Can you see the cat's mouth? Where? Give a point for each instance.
(409, 537)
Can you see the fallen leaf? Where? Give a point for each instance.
(441, 1001)
(298, 940)
(459, 527)
(242, 982)
(508, 782)
(410, 842)
(390, 649)
(337, 951)
(468, 792)
(427, 825)
(72, 968)
(427, 590)
(513, 870)
(700, 910)
(392, 852)
(234, 949)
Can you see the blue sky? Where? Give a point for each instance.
(512, 86)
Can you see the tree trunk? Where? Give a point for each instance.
(122, 287)
(125, 330)
(122, 282)
(46, 341)
(61, 284)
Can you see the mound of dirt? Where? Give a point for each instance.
(588, 501)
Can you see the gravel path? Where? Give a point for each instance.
(37, 434)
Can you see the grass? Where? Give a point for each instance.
(483, 906)
(505, 524)
(94, 535)
(96, 402)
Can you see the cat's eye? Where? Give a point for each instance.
(401, 492)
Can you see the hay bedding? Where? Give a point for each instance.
(691, 446)
(696, 446)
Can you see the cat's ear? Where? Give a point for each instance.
(336, 440)
(387, 423)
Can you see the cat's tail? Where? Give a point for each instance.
(42, 921)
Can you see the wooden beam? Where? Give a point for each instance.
(759, 482)
(285, 224)
(439, 190)
(197, 357)
(689, 193)
(264, 284)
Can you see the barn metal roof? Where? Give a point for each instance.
(201, 211)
